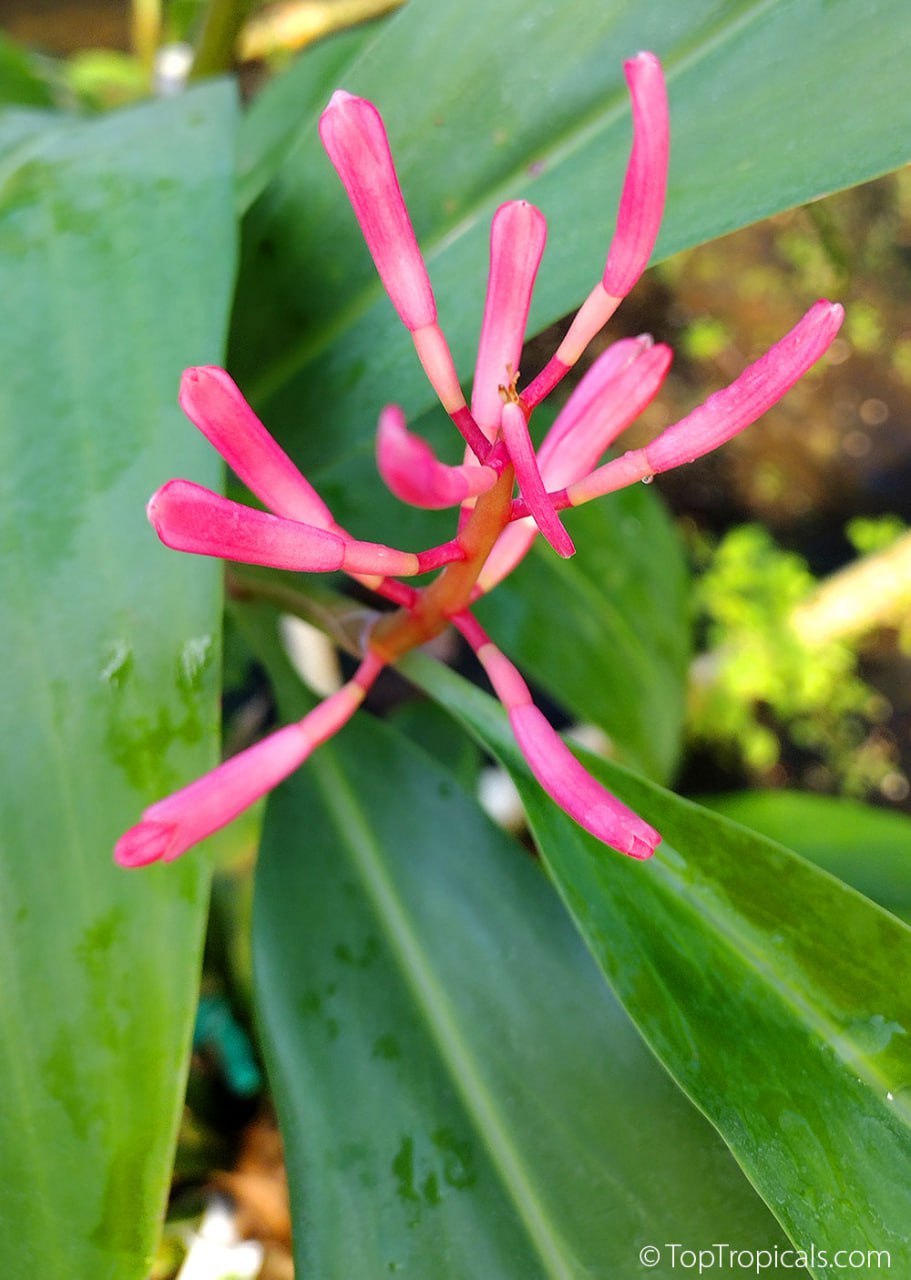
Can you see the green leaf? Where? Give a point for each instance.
(118, 247)
(868, 848)
(20, 79)
(766, 987)
(606, 633)
(459, 1093)
(434, 732)
(772, 103)
(271, 127)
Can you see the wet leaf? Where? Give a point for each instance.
(765, 986)
(459, 1092)
(117, 242)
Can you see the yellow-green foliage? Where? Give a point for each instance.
(762, 683)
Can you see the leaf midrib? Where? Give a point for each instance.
(788, 994)
(762, 962)
(354, 830)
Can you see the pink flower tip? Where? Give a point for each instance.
(575, 790)
(179, 821)
(146, 842)
(353, 133)
(215, 404)
(412, 471)
(761, 385)
(645, 185)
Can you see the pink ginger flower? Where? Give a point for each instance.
(496, 527)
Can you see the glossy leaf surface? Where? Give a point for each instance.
(868, 848)
(117, 247)
(459, 1092)
(767, 988)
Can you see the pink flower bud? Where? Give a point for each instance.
(355, 138)
(554, 766)
(188, 517)
(412, 471)
(642, 199)
(172, 825)
(761, 385)
(213, 402)
(638, 221)
(521, 452)
(612, 394)
(726, 412)
(615, 390)
(517, 237)
(575, 790)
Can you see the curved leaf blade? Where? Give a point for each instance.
(868, 848)
(459, 1093)
(765, 986)
(118, 243)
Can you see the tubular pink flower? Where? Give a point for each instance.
(213, 402)
(353, 133)
(517, 237)
(413, 473)
(521, 451)
(575, 790)
(615, 390)
(188, 517)
(171, 826)
(645, 186)
(554, 766)
(725, 413)
(638, 220)
(612, 394)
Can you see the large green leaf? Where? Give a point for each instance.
(870, 849)
(271, 127)
(772, 103)
(766, 987)
(459, 1093)
(607, 632)
(118, 250)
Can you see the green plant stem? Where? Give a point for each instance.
(220, 28)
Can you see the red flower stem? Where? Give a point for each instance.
(471, 433)
(619, 473)
(430, 614)
(550, 376)
(507, 683)
(399, 593)
(437, 557)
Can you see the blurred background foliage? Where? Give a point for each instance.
(796, 533)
